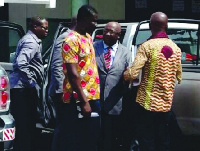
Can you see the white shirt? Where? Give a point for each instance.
(113, 51)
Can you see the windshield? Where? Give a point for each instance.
(186, 39)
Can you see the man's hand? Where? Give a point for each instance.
(127, 75)
(86, 109)
(59, 97)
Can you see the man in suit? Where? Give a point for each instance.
(55, 90)
(112, 59)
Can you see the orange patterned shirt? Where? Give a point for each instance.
(79, 49)
(160, 61)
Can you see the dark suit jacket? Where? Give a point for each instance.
(112, 86)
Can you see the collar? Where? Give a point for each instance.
(39, 41)
(114, 47)
(161, 34)
(87, 35)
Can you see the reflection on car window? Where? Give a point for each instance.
(186, 39)
(8, 42)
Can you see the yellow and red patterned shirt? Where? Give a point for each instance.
(160, 61)
(79, 49)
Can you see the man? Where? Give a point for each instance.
(112, 59)
(26, 76)
(81, 86)
(160, 59)
(55, 91)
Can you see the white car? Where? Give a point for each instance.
(10, 34)
(185, 33)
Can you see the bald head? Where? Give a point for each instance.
(115, 26)
(158, 22)
(111, 33)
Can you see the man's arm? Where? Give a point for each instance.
(75, 81)
(57, 70)
(179, 70)
(140, 59)
(27, 52)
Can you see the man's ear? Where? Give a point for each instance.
(34, 26)
(119, 34)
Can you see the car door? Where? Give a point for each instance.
(9, 37)
(47, 105)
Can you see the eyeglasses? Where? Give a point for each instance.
(45, 28)
(110, 31)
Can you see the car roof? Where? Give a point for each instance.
(122, 24)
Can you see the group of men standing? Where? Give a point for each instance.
(94, 78)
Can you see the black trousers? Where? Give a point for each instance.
(111, 132)
(76, 134)
(129, 115)
(152, 130)
(24, 111)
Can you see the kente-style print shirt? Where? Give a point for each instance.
(79, 49)
(160, 61)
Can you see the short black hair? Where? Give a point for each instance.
(86, 11)
(36, 20)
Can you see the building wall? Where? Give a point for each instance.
(19, 13)
(138, 10)
(112, 9)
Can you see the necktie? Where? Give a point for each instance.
(107, 57)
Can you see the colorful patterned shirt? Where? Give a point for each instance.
(79, 49)
(160, 61)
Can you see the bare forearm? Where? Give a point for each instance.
(75, 81)
(76, 85)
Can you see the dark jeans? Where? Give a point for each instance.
(24, 110)
(73, 133)
(152, 130)
(129, 115)
(111, 132)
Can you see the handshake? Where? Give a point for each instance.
(134, 78)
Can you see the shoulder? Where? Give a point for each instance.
(125, 49)
(28, 42)
(28, 38)
(72, 36)
(98, 43)
(175, 46)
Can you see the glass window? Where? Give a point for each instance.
(8, 43)
(186, 39)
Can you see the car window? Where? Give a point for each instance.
(9, 38)
(186, 39)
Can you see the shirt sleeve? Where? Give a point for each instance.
(139, 62)
(179, 69)
(57, 69)
(27, 52)
(70, 51)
